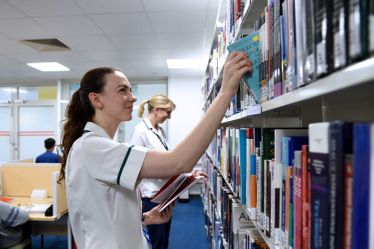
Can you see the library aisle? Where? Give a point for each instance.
(187, 229)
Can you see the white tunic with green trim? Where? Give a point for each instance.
(104, 208)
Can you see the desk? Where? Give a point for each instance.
(41, 224)
(18, 182)
(26, 201)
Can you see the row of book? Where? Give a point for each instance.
(301, 41)
(232, 14)
(228, 223)
(305, 188)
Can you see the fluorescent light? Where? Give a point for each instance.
(48, 66)
(183, 63)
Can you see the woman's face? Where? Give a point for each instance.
(117, 97)
(162, 115)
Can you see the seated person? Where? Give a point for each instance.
(49, 156)
(12, 224)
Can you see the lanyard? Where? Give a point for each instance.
(158, 136)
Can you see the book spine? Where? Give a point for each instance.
(339, 138)
(358, 19)
(319, 149)
(253, 187)
(300, 26)
(371, 197)
(305, 241)
(310, 64)
(340, 26)
(297, 201)
(371, 26)
(324, 51)
(243, 165)
(348, 199)
(361, 182)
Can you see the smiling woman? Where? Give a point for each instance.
(102, 175)
(150, 134)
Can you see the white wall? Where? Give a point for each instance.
(186, 94)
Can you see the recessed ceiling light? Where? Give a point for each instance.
(183, 63)
(48, 66)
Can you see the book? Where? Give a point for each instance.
(319, 165)
(324, 36)
(358, 29)
(371, 26)
(340, 144)
(174, 187)
(361, 185)
(340, 28)
(250, 45)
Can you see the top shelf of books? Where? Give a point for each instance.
(307, 50)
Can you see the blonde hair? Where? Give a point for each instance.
(157, 101)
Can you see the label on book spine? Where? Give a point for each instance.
(371, 32)
(354, 30)
(339, 37)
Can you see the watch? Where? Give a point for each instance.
(143, 217)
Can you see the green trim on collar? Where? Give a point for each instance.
(123, 163)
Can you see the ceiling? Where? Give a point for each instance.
(134, 35)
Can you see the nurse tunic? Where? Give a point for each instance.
(101, 178)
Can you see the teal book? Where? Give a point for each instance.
(250, 45)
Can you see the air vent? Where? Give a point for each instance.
(46, 45)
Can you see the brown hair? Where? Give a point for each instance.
(80, 110)
(157, 101)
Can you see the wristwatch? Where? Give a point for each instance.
(143, 217)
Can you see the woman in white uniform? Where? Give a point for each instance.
(102, 175)
(149, 134)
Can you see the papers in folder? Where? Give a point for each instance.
(174, 187)
(36, 208)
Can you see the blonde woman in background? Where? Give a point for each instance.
(149, 134)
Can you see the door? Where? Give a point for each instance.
(36, 121)
(23, 128)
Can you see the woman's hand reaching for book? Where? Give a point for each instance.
(236, 65)
(153, 216)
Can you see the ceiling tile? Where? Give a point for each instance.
(178, 22)
(22, 29)
(28, 57)
(99, 55)
(157, 54)
(149, 63)
(5, 60)
(123, 23)
(7, 11)
(63, 56)
(11, 46)
(77, 43)
(178, 5)
(46, 7)
(134, 41)
(149, 71)
(185, 40)
(72, 25)
(110, 6)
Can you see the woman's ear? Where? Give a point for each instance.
(95, 100)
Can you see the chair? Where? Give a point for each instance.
(23, 244)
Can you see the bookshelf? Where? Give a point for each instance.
(344, 93)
